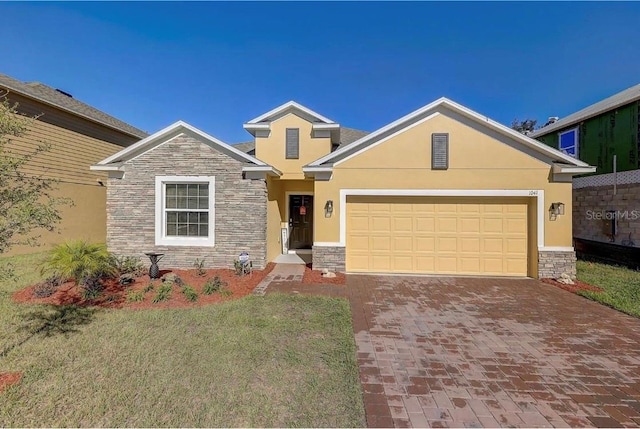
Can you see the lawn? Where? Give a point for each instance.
(278, 360)
(621, 286)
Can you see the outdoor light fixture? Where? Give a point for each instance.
(556, 209)
(328, 208)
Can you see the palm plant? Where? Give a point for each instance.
(84, 262)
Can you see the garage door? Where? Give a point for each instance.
(472, 236)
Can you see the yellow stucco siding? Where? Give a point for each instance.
(478, 160)
(272, 149)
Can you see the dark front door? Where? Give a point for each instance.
(301, 221)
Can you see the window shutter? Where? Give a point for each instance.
(293, 143)
(439, 151)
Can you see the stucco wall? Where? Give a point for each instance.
(478, 160)
(272, 149)
(240, 206)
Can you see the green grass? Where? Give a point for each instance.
(621, 286)
(279, 360)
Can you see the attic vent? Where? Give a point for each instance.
(293, 143)
(439, 151)
(64, 93)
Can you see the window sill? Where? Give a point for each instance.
(185, 241)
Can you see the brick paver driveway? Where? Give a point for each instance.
(490, 352)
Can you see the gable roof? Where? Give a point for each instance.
(627, 96)
(47, 95)
(115, 162)
(327, 162)
(291, 106)
(347, 136)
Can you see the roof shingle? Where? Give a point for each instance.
(48, 95)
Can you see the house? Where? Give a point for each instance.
(607, 135)
(442, 190)
(80, 136)
(598, 132)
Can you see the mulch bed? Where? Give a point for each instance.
(315, 277)
(8, 379)
(574, 288)
(115, 294)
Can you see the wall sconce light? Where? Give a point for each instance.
(328, 208)
(556, 209)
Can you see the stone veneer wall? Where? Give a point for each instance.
(590, 205)
(240, 206)
(331, 258)
(552, 264)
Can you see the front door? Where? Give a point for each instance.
(301, 221)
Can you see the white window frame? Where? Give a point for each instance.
(160, 224)
(575, 141)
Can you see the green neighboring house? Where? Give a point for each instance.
(596, 133)
(605, 204)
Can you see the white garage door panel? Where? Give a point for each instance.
(437, 235)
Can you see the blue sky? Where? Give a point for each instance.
(217, 65)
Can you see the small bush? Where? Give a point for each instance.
(199, 264)
(127, 265)
(47, 287)
(135, 296)
(78, 260)
(189, 293)
(226, 292)
(213, 285)
(92, 288)
(164, 291)
(148, 288)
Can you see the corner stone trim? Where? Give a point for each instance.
(551, 264)
(331, 258)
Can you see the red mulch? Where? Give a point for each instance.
(315, 277)
(115, 295)
(8, 379)
(574, 288)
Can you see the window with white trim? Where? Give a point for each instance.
(184, 210)
(568, 142)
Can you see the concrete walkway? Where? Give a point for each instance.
(285, 272)
(482, 352)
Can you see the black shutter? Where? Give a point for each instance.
(293, 143)
(439, 151)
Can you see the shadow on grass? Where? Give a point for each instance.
(52, 320)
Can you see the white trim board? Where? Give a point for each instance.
(169, 133)
(400, 131)
(406, 121)
(538, 194)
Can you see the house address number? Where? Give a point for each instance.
(533, 193)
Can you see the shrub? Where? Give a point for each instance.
(82, 261)
(47, 287)
(199, 264)
(148, 288)
(126, 265)
(189, 293)
(212, 286)
(164, 291)
(91, 288)
(135, 296)
(226, 292)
